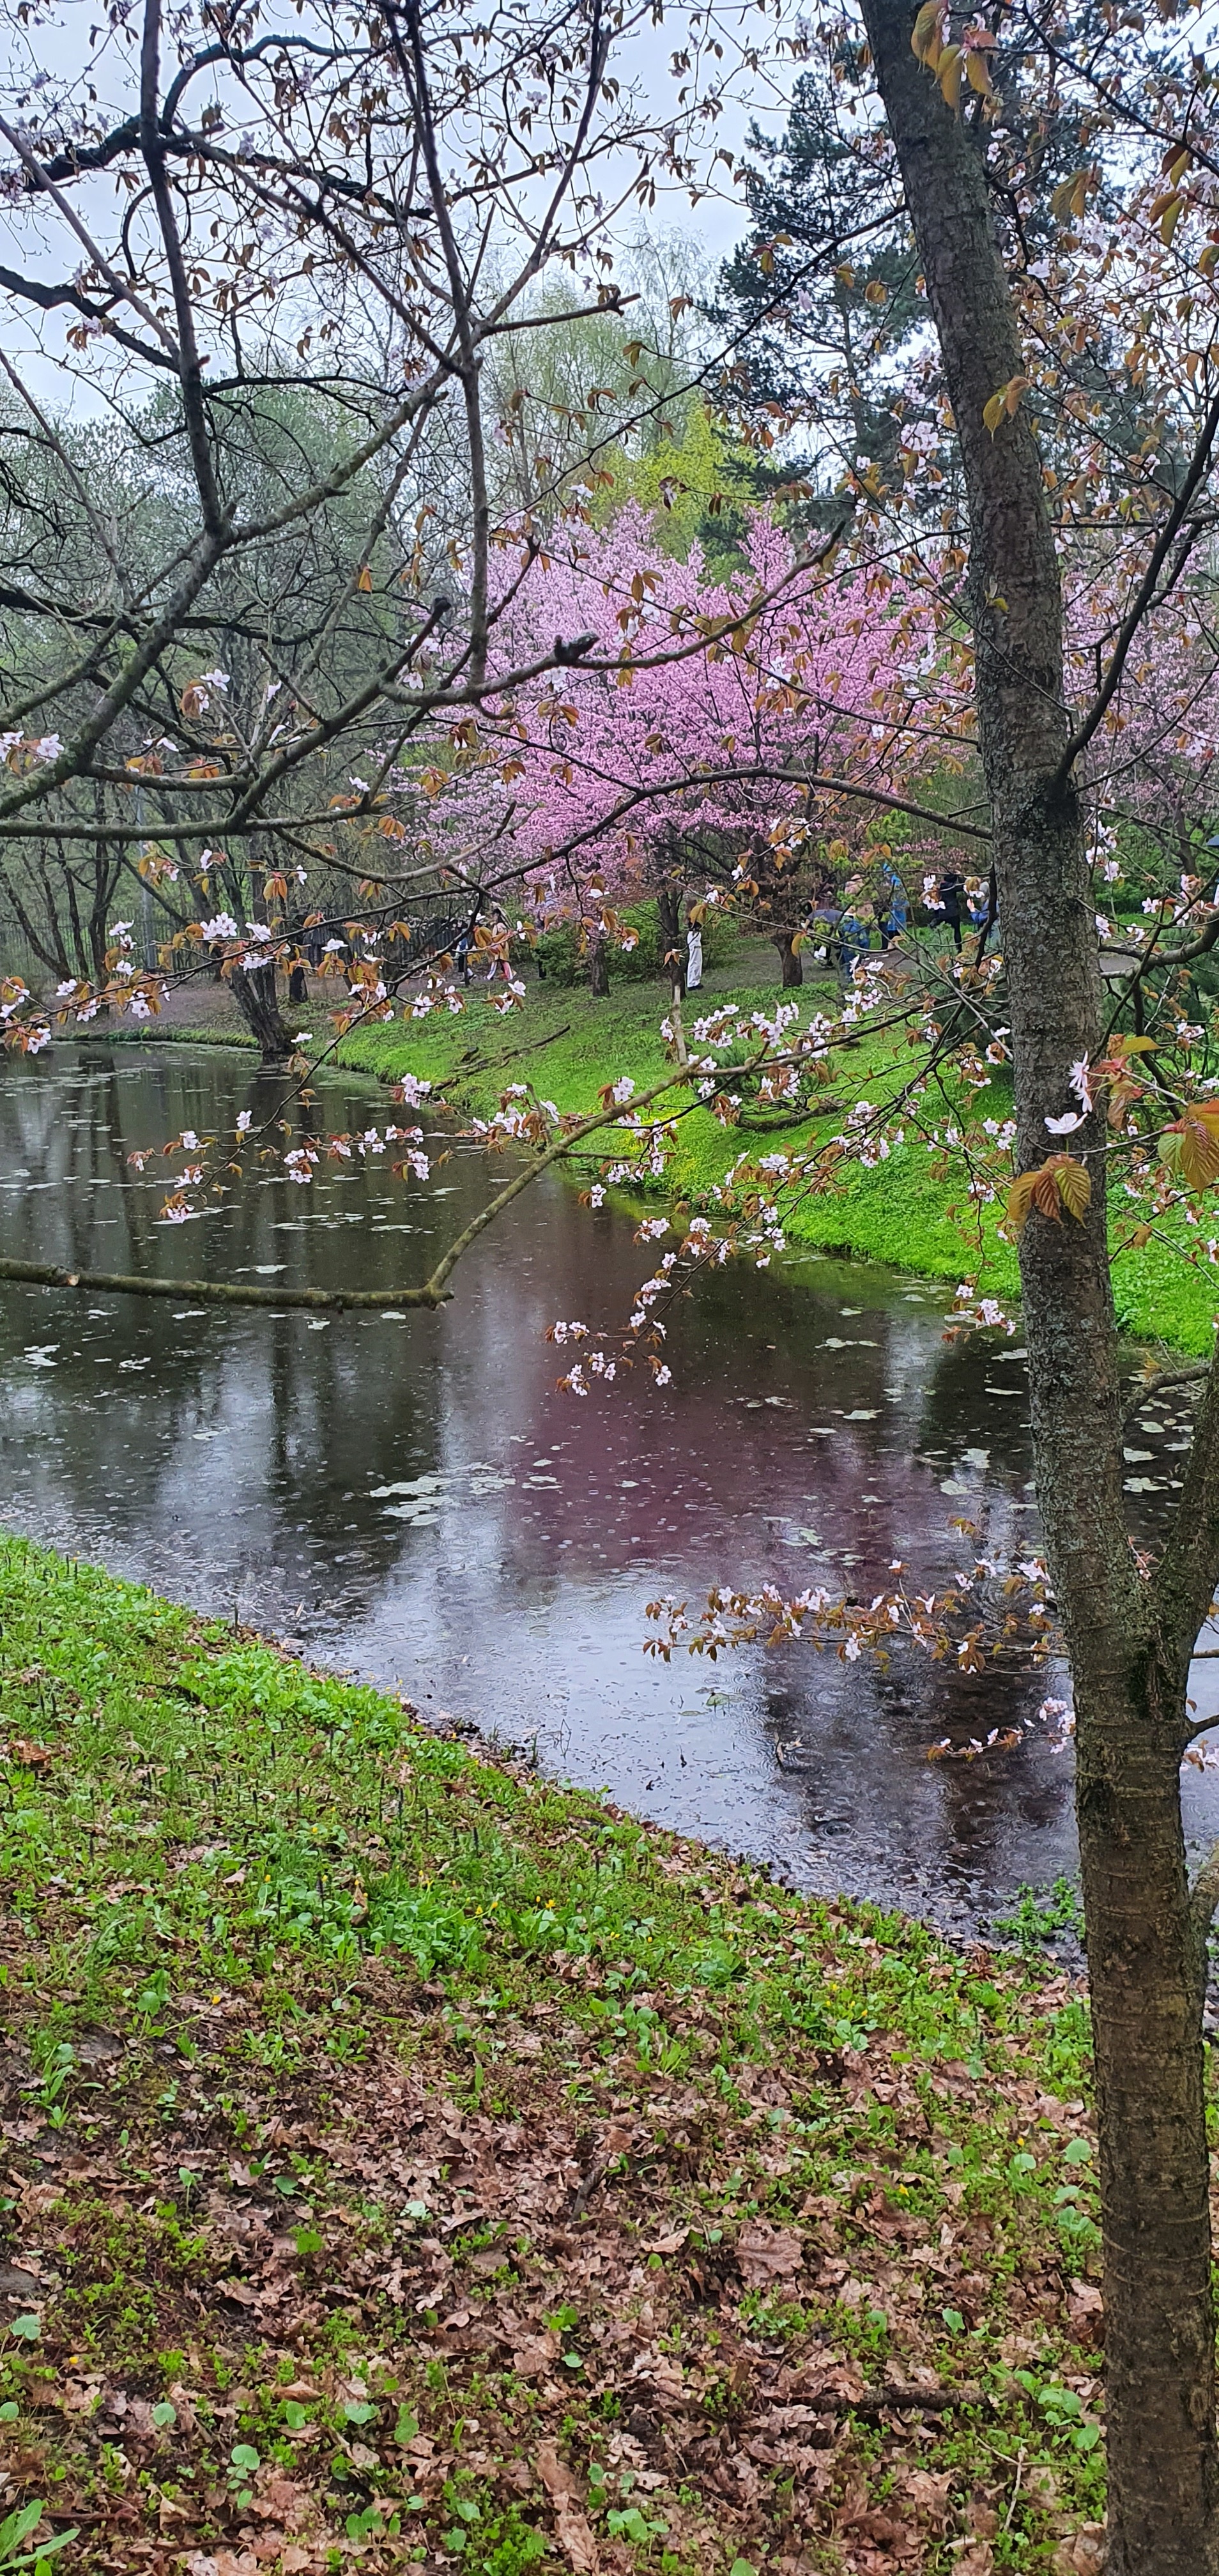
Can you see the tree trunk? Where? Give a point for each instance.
(258, 1003)
(672, 945)
(789, 959)
(1129, 1646)
(598, 965)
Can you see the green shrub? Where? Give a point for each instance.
(558, 951)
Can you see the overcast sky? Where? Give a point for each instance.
(56, 60)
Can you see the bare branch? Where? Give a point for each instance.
(1199, 468)
(213, 1292)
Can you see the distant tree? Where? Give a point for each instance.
(825, 287)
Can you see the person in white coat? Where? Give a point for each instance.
(694, 960)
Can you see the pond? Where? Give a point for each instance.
(410, 1498)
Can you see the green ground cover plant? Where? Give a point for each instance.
(410, 2161)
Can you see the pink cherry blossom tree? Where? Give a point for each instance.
(723, 732)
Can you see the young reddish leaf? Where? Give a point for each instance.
(1045, 1193)
(1020, 1200)
(1170, 219)
(1197, 1154)
(1059, 1183)
(1005, 403)
(925, 35)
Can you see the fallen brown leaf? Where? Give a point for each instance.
(768, 2253)
(559, 2481)
(1084, 2554)
(576, 2539)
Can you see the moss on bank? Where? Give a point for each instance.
(412, 2160)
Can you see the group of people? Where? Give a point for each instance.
(955, 906)
(850, 937)
(843, 933)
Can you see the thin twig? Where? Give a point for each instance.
(1007, 2522)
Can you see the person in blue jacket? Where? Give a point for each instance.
(893, 910)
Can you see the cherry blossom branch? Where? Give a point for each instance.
(1199, 467)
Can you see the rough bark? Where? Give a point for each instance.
(598, 965)
(258, 1003)
(789, 959)
(1129, 1643)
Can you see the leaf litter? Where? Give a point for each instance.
(410, 2163)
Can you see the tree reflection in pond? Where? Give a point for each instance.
(414, 1499)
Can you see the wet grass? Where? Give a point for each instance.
(412, 2161)
(905, 1212)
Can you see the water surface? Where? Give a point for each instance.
(412, 1499)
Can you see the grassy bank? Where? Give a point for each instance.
(575, 1045)
(409, 2161)
(570, 1045)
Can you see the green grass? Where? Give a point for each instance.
(402, 2143)
(904, 1213)
(568, 1046)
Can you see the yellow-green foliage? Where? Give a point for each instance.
(684, 480)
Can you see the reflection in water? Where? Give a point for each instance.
(410, 1497)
